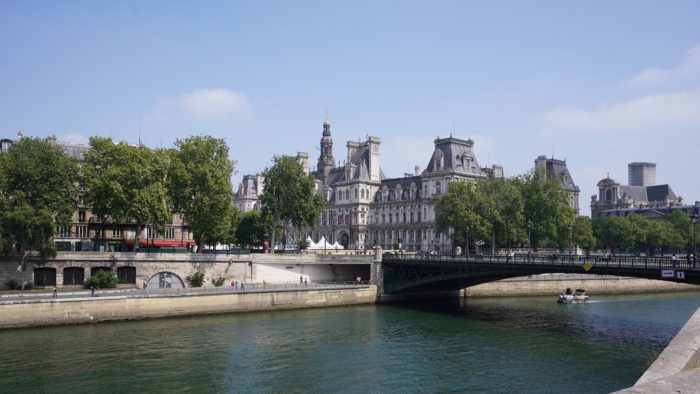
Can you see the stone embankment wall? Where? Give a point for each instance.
(677, 369)
(49, 312)
(556, 284)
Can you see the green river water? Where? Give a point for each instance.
(523, 345)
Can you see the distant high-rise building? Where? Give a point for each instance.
(642, 174)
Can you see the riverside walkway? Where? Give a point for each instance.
(32, 296)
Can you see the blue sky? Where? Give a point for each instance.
(599, 83)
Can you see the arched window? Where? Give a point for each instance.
(608, 195)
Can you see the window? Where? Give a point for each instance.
(356, 194)
(63, 231)
(82, 231)
(151, 233)
(81, 216)
(404, 217)
(170, 233)
(98, 233)
(411, 217)
(81, 199)
(391, 218)
(116, 232)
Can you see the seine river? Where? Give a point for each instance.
(481, 345)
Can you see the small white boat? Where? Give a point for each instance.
(573, 297)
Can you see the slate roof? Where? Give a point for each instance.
(457, 156)
(557, 168)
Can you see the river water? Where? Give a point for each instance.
(478, 345)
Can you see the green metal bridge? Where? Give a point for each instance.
(427, 273)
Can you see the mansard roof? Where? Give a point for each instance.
(455, 155)
(660, 193)
(405, 182)
(637, 193)
(557, 168)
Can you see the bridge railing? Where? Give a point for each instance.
(562, 260)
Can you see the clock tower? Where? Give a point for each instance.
(326, 162)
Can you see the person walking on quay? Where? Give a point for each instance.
(301, 279)
(242, 285)
(92, 291)
(306, 281)
(55, 292)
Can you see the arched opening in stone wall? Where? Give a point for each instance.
(166, 280)
(73, 276)
(44, 276)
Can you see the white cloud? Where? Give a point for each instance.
(662, 113)
(652, 76)
(214, 103)
(203, 104)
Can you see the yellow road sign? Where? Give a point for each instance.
(587, 266)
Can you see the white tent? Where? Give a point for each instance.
(322, 244)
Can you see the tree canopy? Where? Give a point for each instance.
(289, 196)
(38, 192)
(200, 188)
(127, 183)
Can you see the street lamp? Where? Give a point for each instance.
(529, 240)
(694, 219)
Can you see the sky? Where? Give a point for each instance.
(597, 83)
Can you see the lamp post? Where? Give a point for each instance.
(529, 240)
(694, 219)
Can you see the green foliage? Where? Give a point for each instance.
(103, 279)
(289, 197)
(545, 205)
(641, 235)
(43, 175)
(252, 228)
(200, 188)
(127, 183)
(465, 209)
(218, 282)
(583, 233)
(196, 279)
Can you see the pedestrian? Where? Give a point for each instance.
(55, 292)
(92, 291)
(242, 285)
(306, 283)
(674, 258)
(301, 279)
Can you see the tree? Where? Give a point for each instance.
(466, 210)
(252, 228)
(640, 227)
(682, 229)
(127, 182)
(614, 233)
(546, 206)
(38, 193)
(200, 188)
(289, 198)
(505, 210)
(583, 233)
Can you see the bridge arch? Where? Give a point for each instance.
(417, 274)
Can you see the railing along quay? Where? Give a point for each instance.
(555, 260)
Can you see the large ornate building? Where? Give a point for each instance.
(642, 195)
(363, 208)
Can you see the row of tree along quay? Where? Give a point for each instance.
(124, 183)
(533, 210)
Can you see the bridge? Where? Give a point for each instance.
(427, 273)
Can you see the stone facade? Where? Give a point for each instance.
(652, 201)
(363, 208)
